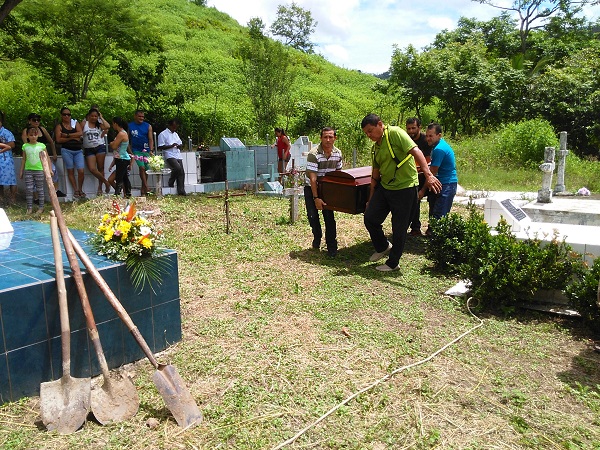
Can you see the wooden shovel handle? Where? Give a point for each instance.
(63, 307)
(85, 303)
(112, 299)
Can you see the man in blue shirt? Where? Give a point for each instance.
(443, 166)
(141, 139)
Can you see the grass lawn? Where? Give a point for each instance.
(276, 334)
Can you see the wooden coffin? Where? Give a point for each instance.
(346, 190)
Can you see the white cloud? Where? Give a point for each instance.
(359, 34)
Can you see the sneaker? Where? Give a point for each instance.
(332, 253)
(386, 268)
(416, 232)
(60, 193)
(378, 255)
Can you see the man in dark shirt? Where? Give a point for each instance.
(413, 128)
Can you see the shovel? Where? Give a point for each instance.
(64, 403)
(117, 399)
(169, 384)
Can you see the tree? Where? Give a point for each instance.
(498, 34)
(563, 35)
(143, 77)
(569, 97)
(69, 47)
(7, 7)
(530, 11)
(411, 77)
(265, 65)
(462, 81)
(295, 25)
(256, 28)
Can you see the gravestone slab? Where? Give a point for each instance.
(513, 214)
(228, 143)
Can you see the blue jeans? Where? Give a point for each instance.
(315, 223)
(442, 203)
(400, 203)
(72, 158)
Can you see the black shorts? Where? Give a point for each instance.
(94, 150)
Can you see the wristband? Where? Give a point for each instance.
(314, 198)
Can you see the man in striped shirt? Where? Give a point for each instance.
(326, 158)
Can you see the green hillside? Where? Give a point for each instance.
(203, 82)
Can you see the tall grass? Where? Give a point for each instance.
(508, 159)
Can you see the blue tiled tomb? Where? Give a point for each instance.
(30, 347)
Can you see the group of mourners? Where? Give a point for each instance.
(84, 142)
(407, 165)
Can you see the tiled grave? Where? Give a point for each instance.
(30, 348)
(582, 239)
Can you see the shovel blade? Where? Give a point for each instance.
(115, 401)
(176, 396)
(65, 403)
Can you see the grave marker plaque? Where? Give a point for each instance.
(517, 213)
(228, 143)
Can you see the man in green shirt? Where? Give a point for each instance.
(394, 184)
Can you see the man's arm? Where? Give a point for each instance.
(431, 182)
(150, 138)
(162, 142)
(375, 177)
(314, 187)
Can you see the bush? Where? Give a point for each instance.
(583, 296)
(502, 270)
(453, 235)
(523, 143)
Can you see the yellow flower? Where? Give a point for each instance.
(146, 242)
(108, 235)
(124, 228)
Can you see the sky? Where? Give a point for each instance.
(360, 34)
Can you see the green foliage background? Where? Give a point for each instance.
(500, 109)
(203, 82)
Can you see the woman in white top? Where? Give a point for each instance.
(94, 147)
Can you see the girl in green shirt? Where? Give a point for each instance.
(32, 170)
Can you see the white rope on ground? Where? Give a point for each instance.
(381, 380)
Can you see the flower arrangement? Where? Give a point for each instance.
(125, 235)
(156, 163)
